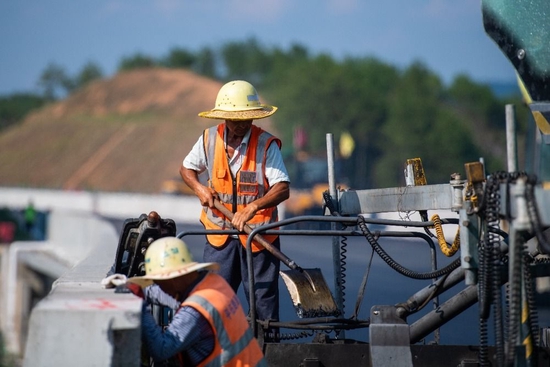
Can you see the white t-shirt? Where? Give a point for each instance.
(275, 170)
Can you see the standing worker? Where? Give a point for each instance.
(209, 326)
(247, 174)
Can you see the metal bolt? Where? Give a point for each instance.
(376, 313)
(466, 223)
(153, 218)
(521, 54)
(467, 258)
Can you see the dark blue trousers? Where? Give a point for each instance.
(233, 268)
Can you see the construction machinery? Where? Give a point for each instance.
(502, 244)
(499, 253)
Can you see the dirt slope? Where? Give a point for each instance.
(128, 134)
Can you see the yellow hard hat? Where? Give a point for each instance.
(168, 258)
(238, 100)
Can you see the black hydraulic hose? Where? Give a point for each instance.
(317, 324)
(289, 336)
(531, 302)
(490, 290)
(515, 306)
(544, 243)
(491, 263)
(484, 286)
(483, 343)
(424, 217)
(397, 267)
(343, 263)
(493, 246)
(329, 204)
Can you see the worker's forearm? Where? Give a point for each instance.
(191, 178)
(276, 195)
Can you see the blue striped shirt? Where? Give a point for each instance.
(188, 331)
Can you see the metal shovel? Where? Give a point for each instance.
(308, 289)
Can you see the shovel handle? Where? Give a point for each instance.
(268, 246)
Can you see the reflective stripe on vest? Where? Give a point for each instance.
(230, 350)
(250, 180)
(244, 350)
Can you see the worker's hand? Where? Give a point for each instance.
(206, 196)
(242, 216)
(113, 280)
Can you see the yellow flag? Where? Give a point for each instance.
(346, 145)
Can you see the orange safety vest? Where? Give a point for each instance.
(235, 193)
(235, 345)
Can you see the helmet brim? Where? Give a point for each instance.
(147, 280)
(261, 113)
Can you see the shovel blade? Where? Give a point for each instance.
(310, 300)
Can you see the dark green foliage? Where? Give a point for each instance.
(247, 61)
(391, 114)
(205, 63)
(418, 125)
(14, 107)
(179, 58)
(90, 72)
(202, 62)
(54, 82)
(136, 61)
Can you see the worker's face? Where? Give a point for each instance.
(169, 286)
(238, 128)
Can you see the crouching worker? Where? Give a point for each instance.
(209, 328)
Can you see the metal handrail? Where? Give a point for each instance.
(267, 229)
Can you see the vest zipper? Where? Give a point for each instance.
(234, 193)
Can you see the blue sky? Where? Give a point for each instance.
(446, 35)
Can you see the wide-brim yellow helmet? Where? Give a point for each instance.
(239, 101)
(168, 258)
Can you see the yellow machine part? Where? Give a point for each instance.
(417, 171)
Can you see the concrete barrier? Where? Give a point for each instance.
(184, 209)
(79, 323)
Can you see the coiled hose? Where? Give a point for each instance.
(443, 245)
(491, 263)
(515, 306)
(343, 263)
(531, 305)
(289, 336)
(483, 343)
(527, 308)
(329, 204)
(491, 260)
(534, 217)
(394, 265)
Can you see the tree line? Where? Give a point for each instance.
(390, 114)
